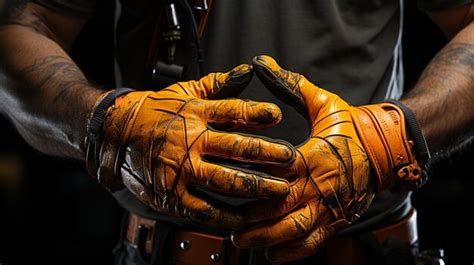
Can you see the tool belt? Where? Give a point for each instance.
(176, 245)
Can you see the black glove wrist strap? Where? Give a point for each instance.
(94, 126)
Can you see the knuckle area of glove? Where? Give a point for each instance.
(243, 112)
(299, 225)
(238, 146)
(234, 181)
(248, 148)
(222, 111)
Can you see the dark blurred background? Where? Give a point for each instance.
(51, 211)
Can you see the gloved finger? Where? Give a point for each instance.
(304, 247)
(258, 211)
(204, 213)
(235, 114)
(292, 172)
(248, 148)
(235, 182)
(292, 88)
(294, 225)
(220, 85)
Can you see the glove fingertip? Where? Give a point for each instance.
(240, 70)
(266, 114)
(282, 83)
(231, 84)
(264, 60)
(239, 77)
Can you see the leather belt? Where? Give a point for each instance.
(190, 247)
(185, 247)
(404, 230)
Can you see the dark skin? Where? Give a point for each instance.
(443, 97)
(43, 91)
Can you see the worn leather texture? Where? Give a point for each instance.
(156, 143)
(336, 173)
(381, 128)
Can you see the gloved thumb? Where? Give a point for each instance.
(221, 85)
(282, 83)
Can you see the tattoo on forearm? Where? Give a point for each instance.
(446, 86)
(455, 58)
(55, 73)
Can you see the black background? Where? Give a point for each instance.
(50, 211)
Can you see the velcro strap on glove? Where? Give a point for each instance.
(382, 131)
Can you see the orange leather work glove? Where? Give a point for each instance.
(352, 153)
(153, 144)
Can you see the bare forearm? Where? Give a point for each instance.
(43, 92)
(443, 98)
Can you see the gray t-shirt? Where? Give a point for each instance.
(349, 47)
(343, 46)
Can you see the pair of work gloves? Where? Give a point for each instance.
(156, 144)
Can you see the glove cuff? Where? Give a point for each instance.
(394, 144)
(97, 117)
(414, 131)
(97, 136)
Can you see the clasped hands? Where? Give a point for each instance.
(157, 145)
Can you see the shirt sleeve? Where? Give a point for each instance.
(76, 8)
(439, 5)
